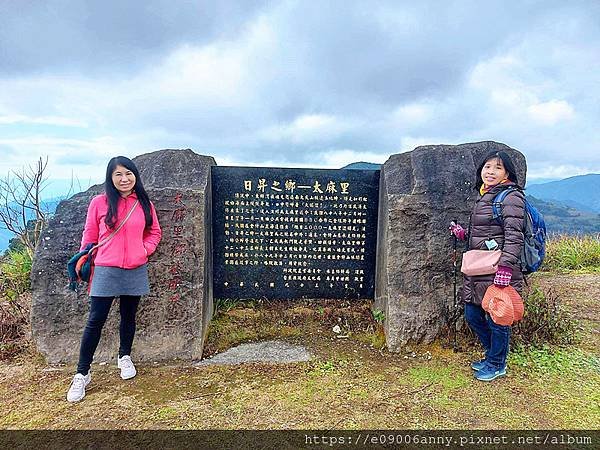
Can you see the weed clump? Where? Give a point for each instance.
(545, 321)
(15, 268)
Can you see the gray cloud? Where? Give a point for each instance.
(296, 82)
(109, 37)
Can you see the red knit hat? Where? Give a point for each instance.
(517, 301)
(504, 304)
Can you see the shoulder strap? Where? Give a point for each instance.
(118, 228)
(497, 203)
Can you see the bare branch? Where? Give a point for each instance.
(20, 203)
(74, 179)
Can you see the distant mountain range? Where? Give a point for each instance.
(581, 192)
(566, 220)
(363, 166)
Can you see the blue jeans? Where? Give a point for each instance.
(99, 309)
(494, 338)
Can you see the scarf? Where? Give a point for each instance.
(483, 189)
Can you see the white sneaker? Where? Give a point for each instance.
(127, 368)
(78, 385)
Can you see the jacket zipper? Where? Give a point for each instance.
(125, 237)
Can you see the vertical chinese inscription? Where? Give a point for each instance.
(178, 248)
(294, 233)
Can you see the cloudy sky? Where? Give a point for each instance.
(297, 83)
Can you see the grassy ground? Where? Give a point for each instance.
(350, 384)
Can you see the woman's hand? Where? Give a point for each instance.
(503, 276)
(457, 231)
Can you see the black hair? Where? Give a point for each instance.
(508, 166)
(113, 194)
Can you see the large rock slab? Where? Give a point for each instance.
(420, 193)
(272, 352)
(173, 320)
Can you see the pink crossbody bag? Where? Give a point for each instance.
(480, 262)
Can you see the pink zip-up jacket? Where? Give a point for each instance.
(132, 244)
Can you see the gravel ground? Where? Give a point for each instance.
(276, 352)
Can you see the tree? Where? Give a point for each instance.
(21, 209)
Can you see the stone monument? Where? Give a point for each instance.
(294, 233)
(411, 274)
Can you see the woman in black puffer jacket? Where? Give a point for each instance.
(495, 174)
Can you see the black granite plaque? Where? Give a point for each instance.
(294, 233)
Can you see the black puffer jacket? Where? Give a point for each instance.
(509, 238)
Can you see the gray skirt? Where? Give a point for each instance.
(114, 281)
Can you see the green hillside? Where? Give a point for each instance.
(566, 220)
(363, 166)
(580, 192)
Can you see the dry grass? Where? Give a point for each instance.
(355, 390)
(573, 253)
(349, 384)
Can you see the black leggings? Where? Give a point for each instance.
(99, 308)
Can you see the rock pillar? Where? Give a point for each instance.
(172, 321)
(420, 193)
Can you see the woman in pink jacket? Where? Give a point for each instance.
(120, 263)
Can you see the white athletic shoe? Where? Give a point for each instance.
(127, 368)
(77, 389)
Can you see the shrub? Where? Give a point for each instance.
(378, 337)
(15, 269)
(566, 253)
(14, 274)
(545, 321)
